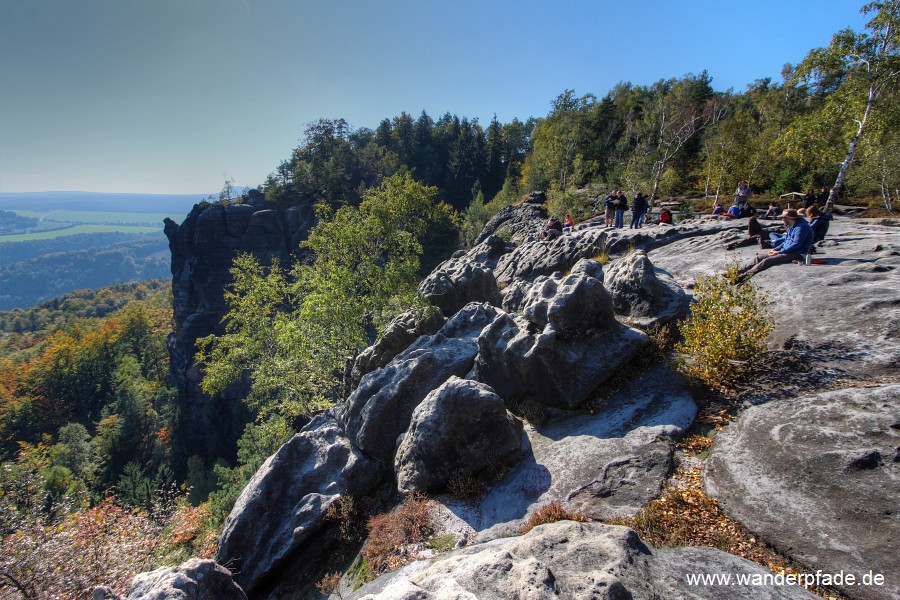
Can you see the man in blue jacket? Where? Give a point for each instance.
(794, 247)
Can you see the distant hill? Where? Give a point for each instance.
(96, 201)
(26, 282)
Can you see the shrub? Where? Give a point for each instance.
(550, 513)
(392, 534)
(728, 325)
(464, 485)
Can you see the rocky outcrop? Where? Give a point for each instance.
(426, 403)
(572, 560)
(203, 247)
(563, 346)
(398, 335)
(381, 407)
(283, 506)
(818, 478)
(518, 223)
(604, 465)
(640, 295)
(462, 425)
(194, 580)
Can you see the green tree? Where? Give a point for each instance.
(864, 66)
(292, 331)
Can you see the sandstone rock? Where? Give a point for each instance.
(571, 560)
(554, 368)
(575, 303)
(402, 331)
(203, 248)
(460, 425)
(521, 222)
(640, 295)
(538, 257)
(381, 407)
(452, 286)
(604, 465)
(194, 580)
(816, 478)
(805, 301)
(284, 504)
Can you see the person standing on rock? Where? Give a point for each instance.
(638, 210)
(794, 247)
(621, 205)
(610, 206)
(742, 194)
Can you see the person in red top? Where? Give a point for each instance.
(665, 217)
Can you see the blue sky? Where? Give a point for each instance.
(175, 96)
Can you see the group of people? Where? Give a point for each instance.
(615, 206)
(617, 203)
(803, 228)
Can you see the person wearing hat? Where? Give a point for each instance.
(793, 247)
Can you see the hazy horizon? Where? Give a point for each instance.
(176, 97)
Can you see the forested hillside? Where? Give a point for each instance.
(29, 281)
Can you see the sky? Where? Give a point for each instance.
(178, 96)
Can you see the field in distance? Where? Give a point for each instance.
(76, 229)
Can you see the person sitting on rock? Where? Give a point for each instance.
(774, 211)
(665, 217)
(734, 212)
(553, 229)
(754, 235)
(717, 208)
(794, 247)
(818, 222)
(568, 222)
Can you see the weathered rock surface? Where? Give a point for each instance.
(381, 407)
(194, 580)
(602, 465)
(461, 425)
(452, 286)
(571, 560)
(819, 478)
(640, 294)
(846, 310)
(284, 504)
(520, 357)
(521, 222)
(538, 257)
(398, 335)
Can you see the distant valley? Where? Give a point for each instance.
(52, 243)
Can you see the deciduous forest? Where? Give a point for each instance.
(89, 427)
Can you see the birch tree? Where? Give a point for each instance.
(866, 65)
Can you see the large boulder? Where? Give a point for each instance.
(452, 286)
(605, 465)
(539, 257)
(572, 560)
(640, 295)
(283, 506)
(564, 345)
(402, 331)
(577, 302)
(818, 478)
(460, 425)
(194, 580)
(381, 407)
(520, 222)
